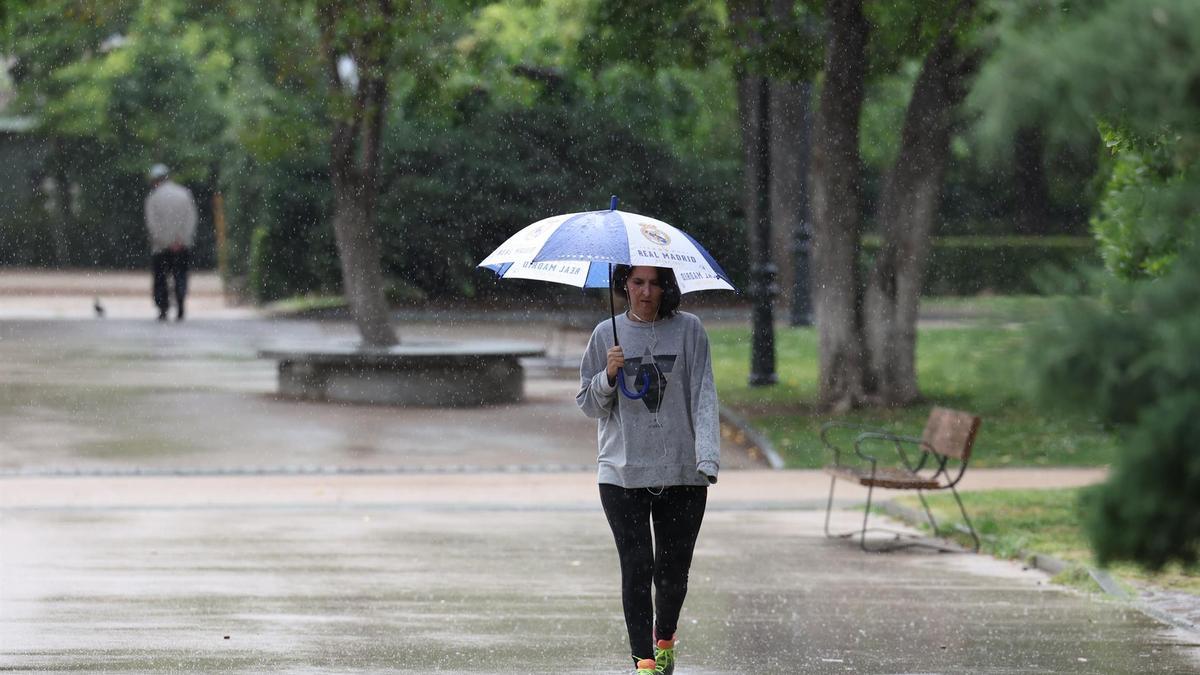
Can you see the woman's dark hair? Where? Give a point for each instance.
(666, 278)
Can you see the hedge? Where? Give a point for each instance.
(969, 265)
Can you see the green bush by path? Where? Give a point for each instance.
(976, 368)
(1131, 361)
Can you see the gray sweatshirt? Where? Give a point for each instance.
(670, 437)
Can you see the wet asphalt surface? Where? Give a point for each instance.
(162, 511)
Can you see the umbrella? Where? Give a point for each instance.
(579, 249)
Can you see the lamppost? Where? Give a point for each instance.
(762, 287)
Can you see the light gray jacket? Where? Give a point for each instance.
(672, 436)
(170, 217)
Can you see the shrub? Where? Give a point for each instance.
(1002, 265)
(1131, 362)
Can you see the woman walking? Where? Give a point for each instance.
(658, 454)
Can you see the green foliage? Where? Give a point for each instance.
(1005, 265)
(560, 52)
(523, 165)
(1149, 512)
(511, 33)
(692, 111)
(906, 31)
(48, 35)
(1150, 204)
(234, 96)
(1132, 68)
(454, 194)
(668, 32)
(968, 367)
(25, 231)
(149, 96)
(118, 86)
(1131, 362)
(1067, 65)
(786, 46)
(289, 249)
(884, 107)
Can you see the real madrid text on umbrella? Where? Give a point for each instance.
(579, 249)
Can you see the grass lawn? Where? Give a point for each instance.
(976, 367)
(973, 362)
(1013, 523)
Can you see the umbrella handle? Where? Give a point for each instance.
(645, 386)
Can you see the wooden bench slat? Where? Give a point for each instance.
(885, 477)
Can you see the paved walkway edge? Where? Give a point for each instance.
(756, 438)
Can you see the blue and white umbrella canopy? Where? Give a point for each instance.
(578, 249)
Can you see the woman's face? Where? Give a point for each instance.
(645, 292)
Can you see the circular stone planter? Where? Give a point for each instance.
(434, 374)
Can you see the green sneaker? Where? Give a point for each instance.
(648, 667)
(664, 656)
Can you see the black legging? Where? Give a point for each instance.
(677, 513)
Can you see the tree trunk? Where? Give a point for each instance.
(908, 205)
(836, 184)
(359, 244)
(362, 274)
(354, 161)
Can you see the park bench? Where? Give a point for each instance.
(944, 451)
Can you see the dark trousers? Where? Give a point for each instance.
(173, 266)
(662, 559)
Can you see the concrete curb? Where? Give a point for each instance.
(756, 438)
(1054, 566)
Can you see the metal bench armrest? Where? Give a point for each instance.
(898, 442)
(830, 426)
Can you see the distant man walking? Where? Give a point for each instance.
(171, 223)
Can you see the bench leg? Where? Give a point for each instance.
(829, 507)
(966, 520)
(862, 537)
(928, 513)
(862, 534)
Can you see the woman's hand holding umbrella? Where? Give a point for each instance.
(616, 361)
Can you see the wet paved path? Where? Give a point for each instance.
(264, 535)
(517, 586)
(112, 395)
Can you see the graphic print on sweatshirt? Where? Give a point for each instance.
(654, 368)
